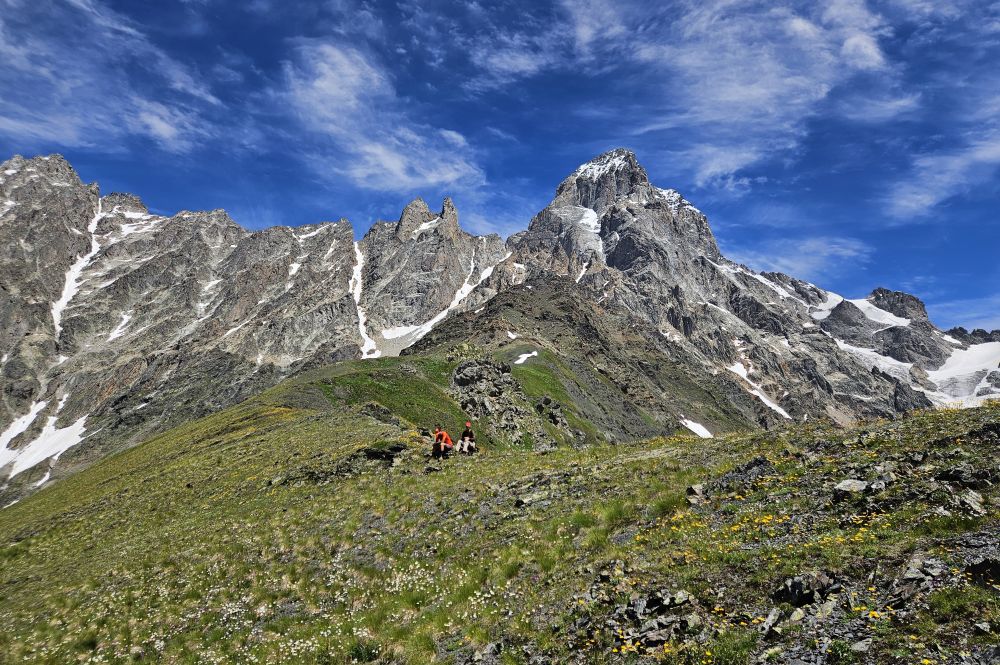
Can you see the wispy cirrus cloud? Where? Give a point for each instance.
(743, 80)
(349, 103)
(726, 85)
(938, 176)
(594, 21)
(70, 79)
(966, 152)
(969, 157)
(810, 258)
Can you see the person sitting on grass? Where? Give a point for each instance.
(442, 443)
(467, 442)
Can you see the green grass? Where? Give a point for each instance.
(259, 534)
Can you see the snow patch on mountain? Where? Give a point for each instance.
(148, 223)
(50, 443)
(588, 220)
(523, 358)
(310, 234)
(696, 427)
(822, 311)
(234, 329)
(879, 315)
(121, 327)
(72, 282)
(330, 250)
(871, 358)
(594, 169)
(293, 269)
(15, 429)
(584, 227)
(963, 377)
(409, 335)
(675, 200)
(369, 349)
(777, 288)
(743, 371)
(426, 226)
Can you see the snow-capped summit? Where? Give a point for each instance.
(619, 159)
(603, 180)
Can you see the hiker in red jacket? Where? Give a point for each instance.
(442, 443)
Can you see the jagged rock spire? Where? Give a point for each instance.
(414, 214)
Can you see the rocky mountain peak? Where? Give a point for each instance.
(613, 160)
(417, 218)
(449, 215)
(414, 214)
(15, 162)
(603, 180)
(54, 167)
(124, 203)
(899, 303)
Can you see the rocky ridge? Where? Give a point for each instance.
(118, 323)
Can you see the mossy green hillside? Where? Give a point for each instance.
(281, 530)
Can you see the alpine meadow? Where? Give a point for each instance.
(727, 395)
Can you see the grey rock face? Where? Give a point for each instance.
(899, 303)
(646, 251)
(800, 350)
(419, 270)
(118, 323)
(486, 389)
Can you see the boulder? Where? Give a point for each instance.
(696, 494)
(805, 589)
(849, 488)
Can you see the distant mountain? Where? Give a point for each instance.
(118, 324)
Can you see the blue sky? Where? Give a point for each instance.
(854, 144)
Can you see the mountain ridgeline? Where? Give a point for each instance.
(117, 324)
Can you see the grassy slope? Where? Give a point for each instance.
(260, 534)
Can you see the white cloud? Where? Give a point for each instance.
(173, 129)
(745, 79)
(725, 84)
(594, 20)
(72, 72)
(872, 108)
(512, 56)
(503, 55)
(812, 258)
(852, 15)
(938, 176)
(351, 105)
(453, 138)
(862, 52)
